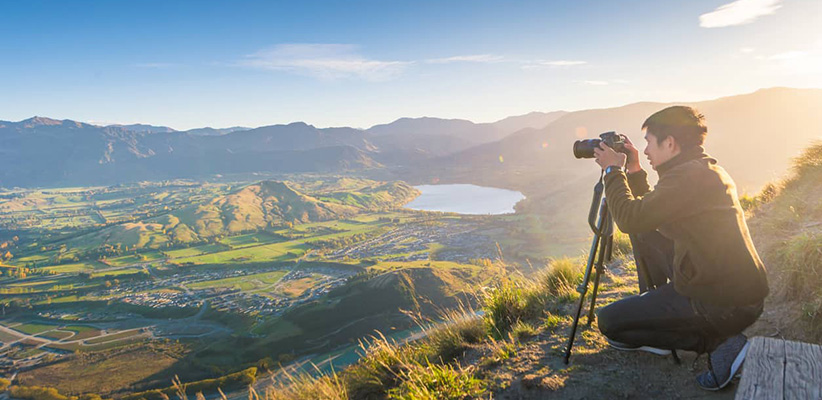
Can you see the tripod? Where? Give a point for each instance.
(602, 247)
(601, 251)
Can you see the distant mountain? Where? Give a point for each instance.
(216, 131)
(143, 128)
(46, 152)
(531, 120)
(438, 136)
(753, 136)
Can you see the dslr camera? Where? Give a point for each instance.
(585, 148)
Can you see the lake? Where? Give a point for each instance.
(465, 199)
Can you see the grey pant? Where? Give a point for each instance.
(665, 319)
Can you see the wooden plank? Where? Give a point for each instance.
(764, 371)
(803, 371)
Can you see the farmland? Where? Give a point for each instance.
(118, 270)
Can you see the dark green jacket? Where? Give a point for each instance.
(694, 204)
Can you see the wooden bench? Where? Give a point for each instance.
(781, 369)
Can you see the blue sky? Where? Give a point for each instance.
(360, 63)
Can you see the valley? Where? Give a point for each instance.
(190, 272)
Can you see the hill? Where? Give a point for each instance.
(262, 206)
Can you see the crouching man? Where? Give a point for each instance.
(690, 234)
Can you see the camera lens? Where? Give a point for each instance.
(585, 148)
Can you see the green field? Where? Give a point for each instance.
(135, 259)
(33, 328)
(88, 266)
(272, 252)
(116, 336)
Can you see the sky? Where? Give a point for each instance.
(188, 64)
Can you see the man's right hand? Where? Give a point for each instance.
(632, 165)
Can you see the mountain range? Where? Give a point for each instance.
(754, 136)
(46, 152)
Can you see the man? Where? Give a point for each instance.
(690, 234)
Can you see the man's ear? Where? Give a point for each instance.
(670, 143)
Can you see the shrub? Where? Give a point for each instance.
(433, 382)
(523, 330)
(801, 258)
(561, 276)
(241, 378)
(35, 393)
(504, 306)
(4, 384)
(551, 321)
(306, 387)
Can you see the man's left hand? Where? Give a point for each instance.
(607, 157)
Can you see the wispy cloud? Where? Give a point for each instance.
(739, 12)
(324, 61)
(788, 55)
(540, 64)
(156, 65)
(474, 58)
(561, 63)
(595, 83)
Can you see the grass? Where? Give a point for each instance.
(787, 217)
(428, 368)
(33, 329)
(436, 381)
(58, 334)
(114, 337)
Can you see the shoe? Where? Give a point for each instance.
(631, 347)
(723, 363)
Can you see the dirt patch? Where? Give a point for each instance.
(105, 372)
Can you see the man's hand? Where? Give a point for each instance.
(607, 157)
(632, 165)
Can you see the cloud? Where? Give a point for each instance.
(156, 65)
(475, 58)
(747, 50)
(540, 64)
(789, 55)
(561, 63)
(324, 61)
(595, 83)
(739, 12)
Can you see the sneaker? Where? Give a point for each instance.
(723, 363)
(631, 347)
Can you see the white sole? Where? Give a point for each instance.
(649, 349)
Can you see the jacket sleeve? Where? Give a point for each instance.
(672, 198)
(638, 183)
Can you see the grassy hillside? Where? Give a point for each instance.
(787, 229)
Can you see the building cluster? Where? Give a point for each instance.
(162, 299)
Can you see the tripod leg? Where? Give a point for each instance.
(603, 255)
(582, 289)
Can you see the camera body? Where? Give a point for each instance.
(585, 148)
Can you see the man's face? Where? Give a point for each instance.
(659, 152)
